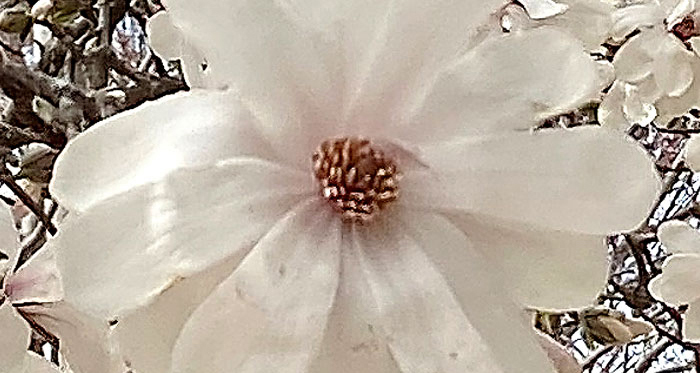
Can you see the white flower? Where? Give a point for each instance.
(654, 68)
(34, 291)
(488, 216)
(679, 282)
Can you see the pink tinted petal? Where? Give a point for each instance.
(38, 280)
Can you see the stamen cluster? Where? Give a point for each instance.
(355, 177)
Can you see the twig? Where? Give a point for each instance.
(26, 199)
(50, 88)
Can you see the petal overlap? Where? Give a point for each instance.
(274, 307)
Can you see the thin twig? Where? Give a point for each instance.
(27, 200)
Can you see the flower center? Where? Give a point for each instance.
(355, 177)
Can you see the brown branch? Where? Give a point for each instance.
(594, 359)
(147, 87)
(39, 84)
(649, 359)
(26, 199)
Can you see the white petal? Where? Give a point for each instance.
(540, 178)
(36, 364)
(634, 107)
(629, 18)
(417, 312)
(669, 107)
(482, 293)
(14, 338)
(590, 21)
(365, 55)
(141, 145)
(693, 152)
(147, 336)
(634, 61)
(169, 41)
(538, 9)
(121, 253)
(38, 280)
(611, 110)
(680, 279)
(8, 237)
(562, 359)
(677, 9)
(353, 342)
(692, 322)
(543, 268)
(413, 41)
(252, 43)
(680, 237)
(281, 69)
(673, 71)
(506, 83)
(270, 314)
(85, 342)
(656, 54)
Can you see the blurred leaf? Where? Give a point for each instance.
(610, 327)
(15, 20)
(36, 163)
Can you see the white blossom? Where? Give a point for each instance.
(218, 186)
(655, 68)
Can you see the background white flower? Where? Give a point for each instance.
(655, 68)
(679, 282)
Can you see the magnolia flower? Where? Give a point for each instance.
(34, 292)
(679, 282)
(368, 192)
(654, 68)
